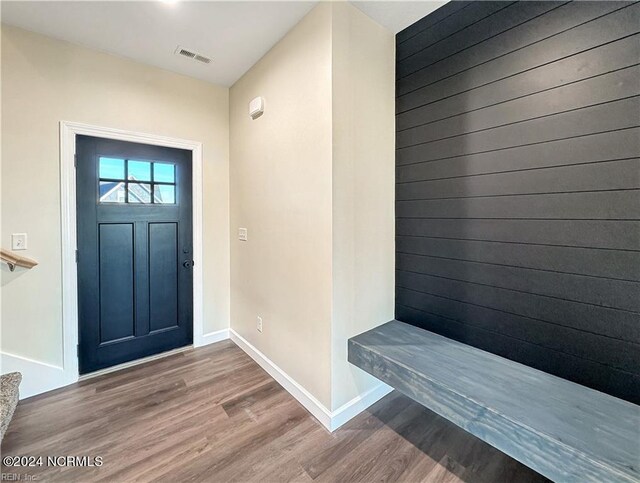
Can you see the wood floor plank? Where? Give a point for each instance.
(446, 471)
(213, 415)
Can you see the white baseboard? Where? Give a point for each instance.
(351, 409)
(37, 377)
(211, 338)
(303, 396)
(331, 420)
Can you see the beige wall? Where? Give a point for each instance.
(45, 81)
(313, 182)
(281, 192)
(363, 86)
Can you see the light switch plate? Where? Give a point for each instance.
(19, 241)
(242, 234)
(259, 324)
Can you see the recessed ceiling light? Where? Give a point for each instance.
(170, 2)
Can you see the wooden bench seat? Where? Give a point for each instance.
(565, 431)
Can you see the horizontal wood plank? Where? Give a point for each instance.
(433, 18)
(598, 61)
(619, 114)
(589, 318)
(614, 175)
(546, 39)
(589, 290)
(599, 234)
(609, 87)
(212, 413)
(518, 186)
(575, 369)
(555, 342)
(513, 243)
(592, 148)
(440, 36)
(598, 205)
(565, 431)
(501, 20)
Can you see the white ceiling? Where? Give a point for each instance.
(234, 34)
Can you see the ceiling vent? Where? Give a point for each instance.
(190, 54)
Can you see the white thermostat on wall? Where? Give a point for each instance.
(256, 107)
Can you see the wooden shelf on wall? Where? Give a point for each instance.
(14, 260)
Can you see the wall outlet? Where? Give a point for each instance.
(242, 234)
(19, 241)
(259, 324)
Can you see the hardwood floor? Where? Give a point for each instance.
(212, 414)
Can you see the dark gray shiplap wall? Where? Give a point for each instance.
(518, 176)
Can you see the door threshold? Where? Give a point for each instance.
(137, 362)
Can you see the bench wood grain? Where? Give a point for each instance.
(564, 431)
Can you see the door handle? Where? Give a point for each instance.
(188, 264)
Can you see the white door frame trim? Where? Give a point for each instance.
(68, 132)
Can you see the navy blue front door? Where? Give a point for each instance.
(135, 279)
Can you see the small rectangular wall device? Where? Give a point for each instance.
(256, 107)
